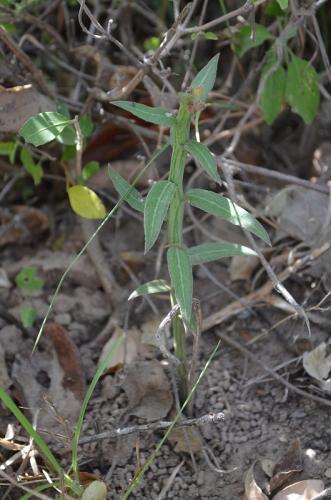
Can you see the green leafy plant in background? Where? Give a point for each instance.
(291, 81)
(166, 200)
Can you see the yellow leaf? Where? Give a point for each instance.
(86, 203)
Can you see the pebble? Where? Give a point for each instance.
(201, 478)
(63, 319)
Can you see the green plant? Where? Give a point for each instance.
(28, 282)
(166, 201)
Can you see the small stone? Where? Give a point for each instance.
(63, 319)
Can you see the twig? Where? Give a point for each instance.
(252, 357)
(209, 418)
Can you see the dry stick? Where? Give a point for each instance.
(288, 385)
(209, 418)
(263, 292)
(265, 172)
(26, 61)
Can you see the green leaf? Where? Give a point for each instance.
(152, 43)
(86, 202)
(283, 4)
(91, 168)
(205, 159)
(273, 95)
(34, 169)
(86, 126)
(155, 286)
(28, 316)
(27, 279)
(68, 136)
(273, 9)
(302, 91)
(224, 208)
(248, 38)
(158, 116)
(180, 270)
(204, 81)
(209, 252)
(156, 207)
(124, 188)
(43, 128)
(208, 35)
(7, 149)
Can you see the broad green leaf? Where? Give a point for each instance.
(203, 156)
(86, 125)
(68, 136)
(156, 207)
(224, 208)
(6, 148)
(43, 128)
(27, 279)
(204, 81)
(91, 168)
(283, 4)
(158, 116)
(155, 286)
(273, 95)
(273, 9)
(209, 252)
(34, 169)
(302, 91)
(249, 37)
(28, 316)
(124, 188)
(180, 270)
(69, 153)
(86, 202)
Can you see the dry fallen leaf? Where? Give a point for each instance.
(187, 439)
(21, 224)
(302, 490)
(316, 363)
(19, 103)
(252, 489)
(95, 491)
(148, 390)
(289, 464)
(127, 352)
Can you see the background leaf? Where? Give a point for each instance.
(224, 208)
(208, 252)
(180, 270)
(34, 169)
(248, 38)
(283, 4)
(27, 279)
(156, 206)
(205, 79)
(124, 188)
(273, 95)
(158, 116)
(302, 91)
(86, 203)
(204, 157)
(43, 128)
(155, 286)
(91, 168)
(28, 316)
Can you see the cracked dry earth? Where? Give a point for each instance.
(262, 418)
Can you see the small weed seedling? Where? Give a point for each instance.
(166, 201)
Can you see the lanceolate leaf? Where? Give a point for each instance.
(43, 128)
(204, 81)
(131, 195)
(249, 37)
(158, 116)
(224, 208)
(155, 286)
(302, 91)
(203, 156)
(156, 207)
(209, 252)
(180, 270)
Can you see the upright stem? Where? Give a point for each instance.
(180, 136)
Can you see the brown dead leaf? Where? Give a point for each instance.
(252, 489)
(302, 490)
(21, 224)
(316, 363)
(85, 478)
(186, 439)
(242, 268)
(18, 104)
(127, 352)
(290, 463)
(148, 390)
